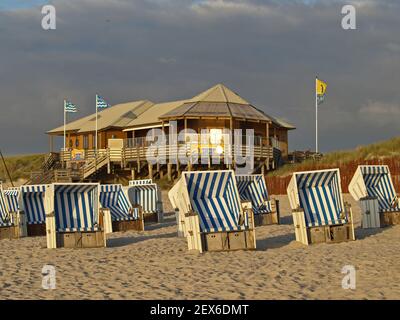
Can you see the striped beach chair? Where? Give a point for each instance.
(124, 216)
(372, 186)
(319, 212)
(12, 223)
(254, 189)
(148, 197)
(11, 196)
(140, 182)
(215, 218)
(74, 218)
(32, 203)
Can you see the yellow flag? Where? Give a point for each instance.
(321, 87)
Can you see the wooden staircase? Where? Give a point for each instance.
(95, 165)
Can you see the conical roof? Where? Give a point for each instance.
(219, 93)
(218, 101)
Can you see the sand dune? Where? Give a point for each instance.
(155, 264)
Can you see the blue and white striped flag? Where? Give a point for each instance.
(101, 103)
(70, 107)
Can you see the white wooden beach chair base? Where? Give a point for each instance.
(228, 241)
(90, 239)
(122, 226)
(9, 232)
(389, 218)
(265, 219)
(220, 241)
(153, 217)
(372, 218)
(18, 230)
(93, 239)
(323, 234)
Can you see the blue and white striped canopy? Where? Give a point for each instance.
(379, 184)
(33, 203)
(320, 197)
(112, 196)
(5, 218)
(145, 195)
(253, 188)
(12, 196)
(76, 207)
(140, 182)
(214, 196)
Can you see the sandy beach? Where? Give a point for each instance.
(155, 264)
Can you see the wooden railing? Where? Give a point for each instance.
(88, 163)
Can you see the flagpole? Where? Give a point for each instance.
(316, 115)
(65, 120)
(96, 130)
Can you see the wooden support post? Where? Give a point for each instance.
(159, 171)
(169, 171)
(150, 171)
(133, 175)
(178, 168)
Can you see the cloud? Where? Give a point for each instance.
(380, 113)
(266, 50)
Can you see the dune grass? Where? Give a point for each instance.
(20, 166)
(380, 150)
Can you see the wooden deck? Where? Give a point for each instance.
(84, 164)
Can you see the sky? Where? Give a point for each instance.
(267, 51)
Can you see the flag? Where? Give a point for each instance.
(320, 90)
(70, 107)
(101, 103)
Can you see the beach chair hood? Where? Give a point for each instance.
(145, 195)
(253, 188)
(113, 197)
(11, 196)
(76, 207)
(374, 181)
(32, 199)
(319, 194)
(5, 218)
(214, 196)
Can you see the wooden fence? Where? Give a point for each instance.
(278, 185)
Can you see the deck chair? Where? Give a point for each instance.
(215, 218)
(319, 213)
(372, 186)
(74, 218)
(140, 182)
(11, 195)
(32, 203)
(124, 216)
(12, 223)
(148, 197)
(253, 188)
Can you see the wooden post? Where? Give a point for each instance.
(178, 168)
(150, 171)
(133, 176)
(169, 171)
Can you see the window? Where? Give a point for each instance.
(216, 136)
(86, 142)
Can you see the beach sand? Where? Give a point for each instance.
(155, 264)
